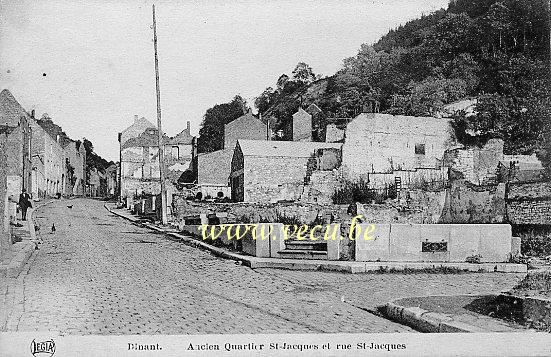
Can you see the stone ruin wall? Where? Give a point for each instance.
(529, 203)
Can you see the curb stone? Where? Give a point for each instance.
(351, 267)
(425, 321)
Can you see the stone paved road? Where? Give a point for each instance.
(100, 274)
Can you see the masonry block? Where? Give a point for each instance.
(405, 242)
(334, 246)
(376, 249)
(257, 240)
(495, 242)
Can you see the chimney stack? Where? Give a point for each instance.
(32, 113)
(135, 118)
(57, 138)
(188, 127)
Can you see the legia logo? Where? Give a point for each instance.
(43, 348)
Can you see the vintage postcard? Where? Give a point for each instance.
(280, 178)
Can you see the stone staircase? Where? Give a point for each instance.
(304, 249)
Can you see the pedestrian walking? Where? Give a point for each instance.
(24, 204)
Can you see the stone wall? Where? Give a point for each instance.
(382, 143)
(416, 178)
(466, 203)
(426, 210)
(18, 154)
(334, 134)
(529, 203)
(321, 187)
(272, 179)
(476, 165)
(213, 169)
(457, 242)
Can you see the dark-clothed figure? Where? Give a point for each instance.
(24, 204)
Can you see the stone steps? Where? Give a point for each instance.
(303, 254)
(305, 245)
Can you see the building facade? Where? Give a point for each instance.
(5, 237)
(75, 161)
(271, 171)
(214, 168)
(302, 126)
(18, 144)
(51, 160)
(112, 179)
(140, 171)
(246, 126)
(380, 143)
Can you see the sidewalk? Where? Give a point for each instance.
(20, 252)
(330, 265)
(449, 314)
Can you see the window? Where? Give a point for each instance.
(176, 152)
(420, 149)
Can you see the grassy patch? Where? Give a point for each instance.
(536, 283)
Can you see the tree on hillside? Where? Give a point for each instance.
(265, 99)
(281, 81)
(211, 133)
(93, 160)
(303, 73)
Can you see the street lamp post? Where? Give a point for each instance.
(159, 127)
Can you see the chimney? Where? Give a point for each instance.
(135, 118)
(32, 113)
(188, 127)
(57, 138)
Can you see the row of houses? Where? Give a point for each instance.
(38, 160)
(256, 166)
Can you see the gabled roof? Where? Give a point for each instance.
(247, 117)
(313, 109)
(137, 127)
(184, 137)
(282, 148)
(10, 109)
(147, 138)
(302, 112)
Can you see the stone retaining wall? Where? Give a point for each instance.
(404, 242)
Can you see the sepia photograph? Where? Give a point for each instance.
(275, 178)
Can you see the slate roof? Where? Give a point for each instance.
(282, 148)
(10, 109)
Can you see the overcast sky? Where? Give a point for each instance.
(89, 64)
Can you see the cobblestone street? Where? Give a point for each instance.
(100, 274)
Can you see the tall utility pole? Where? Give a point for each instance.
(549, 30)
(159, 127)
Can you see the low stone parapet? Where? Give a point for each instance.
(481, 243)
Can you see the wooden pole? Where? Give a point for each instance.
(159, 127)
